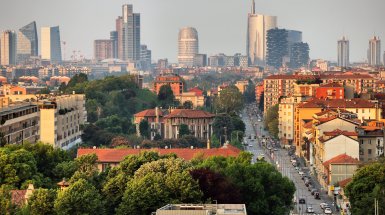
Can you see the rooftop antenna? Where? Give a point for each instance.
(253, 7)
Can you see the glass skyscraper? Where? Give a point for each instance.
(8, 48)
(51, 45)
(131, 34)
(27, 42)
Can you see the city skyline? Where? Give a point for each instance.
(160, 26)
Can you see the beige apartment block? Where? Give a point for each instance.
(61, 118)
(202, 209)
(19, 122)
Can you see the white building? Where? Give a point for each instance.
(343, 52)
(188, 46)
(374, 51)
(257, 28)
(8, 48)
(51, 44)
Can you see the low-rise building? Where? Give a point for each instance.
(202, 209)
(242, 85)
(154, 117)
(174, 81)
(371, 138)
(338, 168)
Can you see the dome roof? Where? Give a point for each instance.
(188, 33)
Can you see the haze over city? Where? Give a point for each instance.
(221, 24)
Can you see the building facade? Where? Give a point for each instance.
(371, 138)
(8, 48)
(103, 49)
(188, 46)
(202, 209)
(343, 52)
(114, 38)
(374, 51)
(173, 80)
(27, 43)
(130, 34)
(51, 44)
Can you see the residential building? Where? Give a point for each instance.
(9, 89)
(330, 91)
(303, 89)
(371, 138)
(188, 46)
(154, 117)
(202, 209)
(21, 197)
(130, 34)
(299, 55)
(112, 157)
(19, 122)
(8, 48)
(103, 49)
(276, 86)
(27, 43)
(286, 110)
(60, 120)
(352, 82)
(374, 51)
(51, 44)
(256, 42)
(343, 52)
(258, 93)
(199, 123)
(242, 85)
(337, 169)
(175, 82)
(197, 99)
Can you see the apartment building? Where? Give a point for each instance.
(60, 120)
(202, 209)
(174, 81)
(19, 122)
(371, 138)
(286, 110)
(154, 117)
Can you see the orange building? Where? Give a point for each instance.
(8, 89)
(258, 93)
(330, 91)
(175, 82)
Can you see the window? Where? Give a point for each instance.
(369, 151)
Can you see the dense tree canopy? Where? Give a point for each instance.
(271, 121)
(230, 101)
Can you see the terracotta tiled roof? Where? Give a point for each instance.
(187, 113)
(198, 92)
(339, 132)
(341, 159)
(332, 85)
(117, 155)
(308, 125)
(18, 196)
(148, 113)
(337, 103)
(281, 77)
(343, 183)
(346, 76)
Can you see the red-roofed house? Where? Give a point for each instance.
(112, 157)
(154, 117)
(338, 168)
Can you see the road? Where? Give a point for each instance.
(280, 158)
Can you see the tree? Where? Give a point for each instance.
(3, 141)
(166, 96)
(42, 202)
(6, 205)
(230, 101)
(77, 79)
(238, 123)
(223, 126)
(368, 183)
(158, 183)
(188, 105)
(271, 120)
(216, 186)
(250, 93)
(144, 129)
(183, 130)
(79, 198)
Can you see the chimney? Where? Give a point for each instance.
(156, 115)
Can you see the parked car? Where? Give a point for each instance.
(323, 205)
(309, 209)
(301, 201)
(328, 211)
(310, 187)
(317, 195)
(313, 191)
(300, 172)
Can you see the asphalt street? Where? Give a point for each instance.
(279, 157)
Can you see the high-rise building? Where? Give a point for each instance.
(50, 44)
(114, 38)
(8, 48)
(188, 46)
(145, 57)
(384, 59)
(200, 60)
(163, 63)
(293, 36)
(119, 29)
(103, 49)
(130, 34)
(343, 52)
(300, 55)
(257, 28)
(27, 43)
(374, 51)
(277, 47)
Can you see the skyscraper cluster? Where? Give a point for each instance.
(19, 47)
(125, 41)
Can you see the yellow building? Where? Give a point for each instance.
(196, 100)
(242, 85)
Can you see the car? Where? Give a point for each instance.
(301, 201)
(251, 145)
(328, 211)
(293, 160)
(309, 209)
(259, 120)
(313, 191)
(301, 173)
(323, 205)
(297, 168)
(317, 195)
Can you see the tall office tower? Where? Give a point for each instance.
(300, 55)
(343, 52)
(277, 47)
(51, 45)
(188, 46)
(374, 52)
(27, 43)
(384, 59)
(103, 49)
(257, 27)
(131, 34)
(293, 36)
(114, 38)
(8, 48)
(145, 57)
(119, 29)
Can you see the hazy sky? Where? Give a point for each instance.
(221, 24)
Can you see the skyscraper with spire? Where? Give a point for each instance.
(343, 52)
(256, 43)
